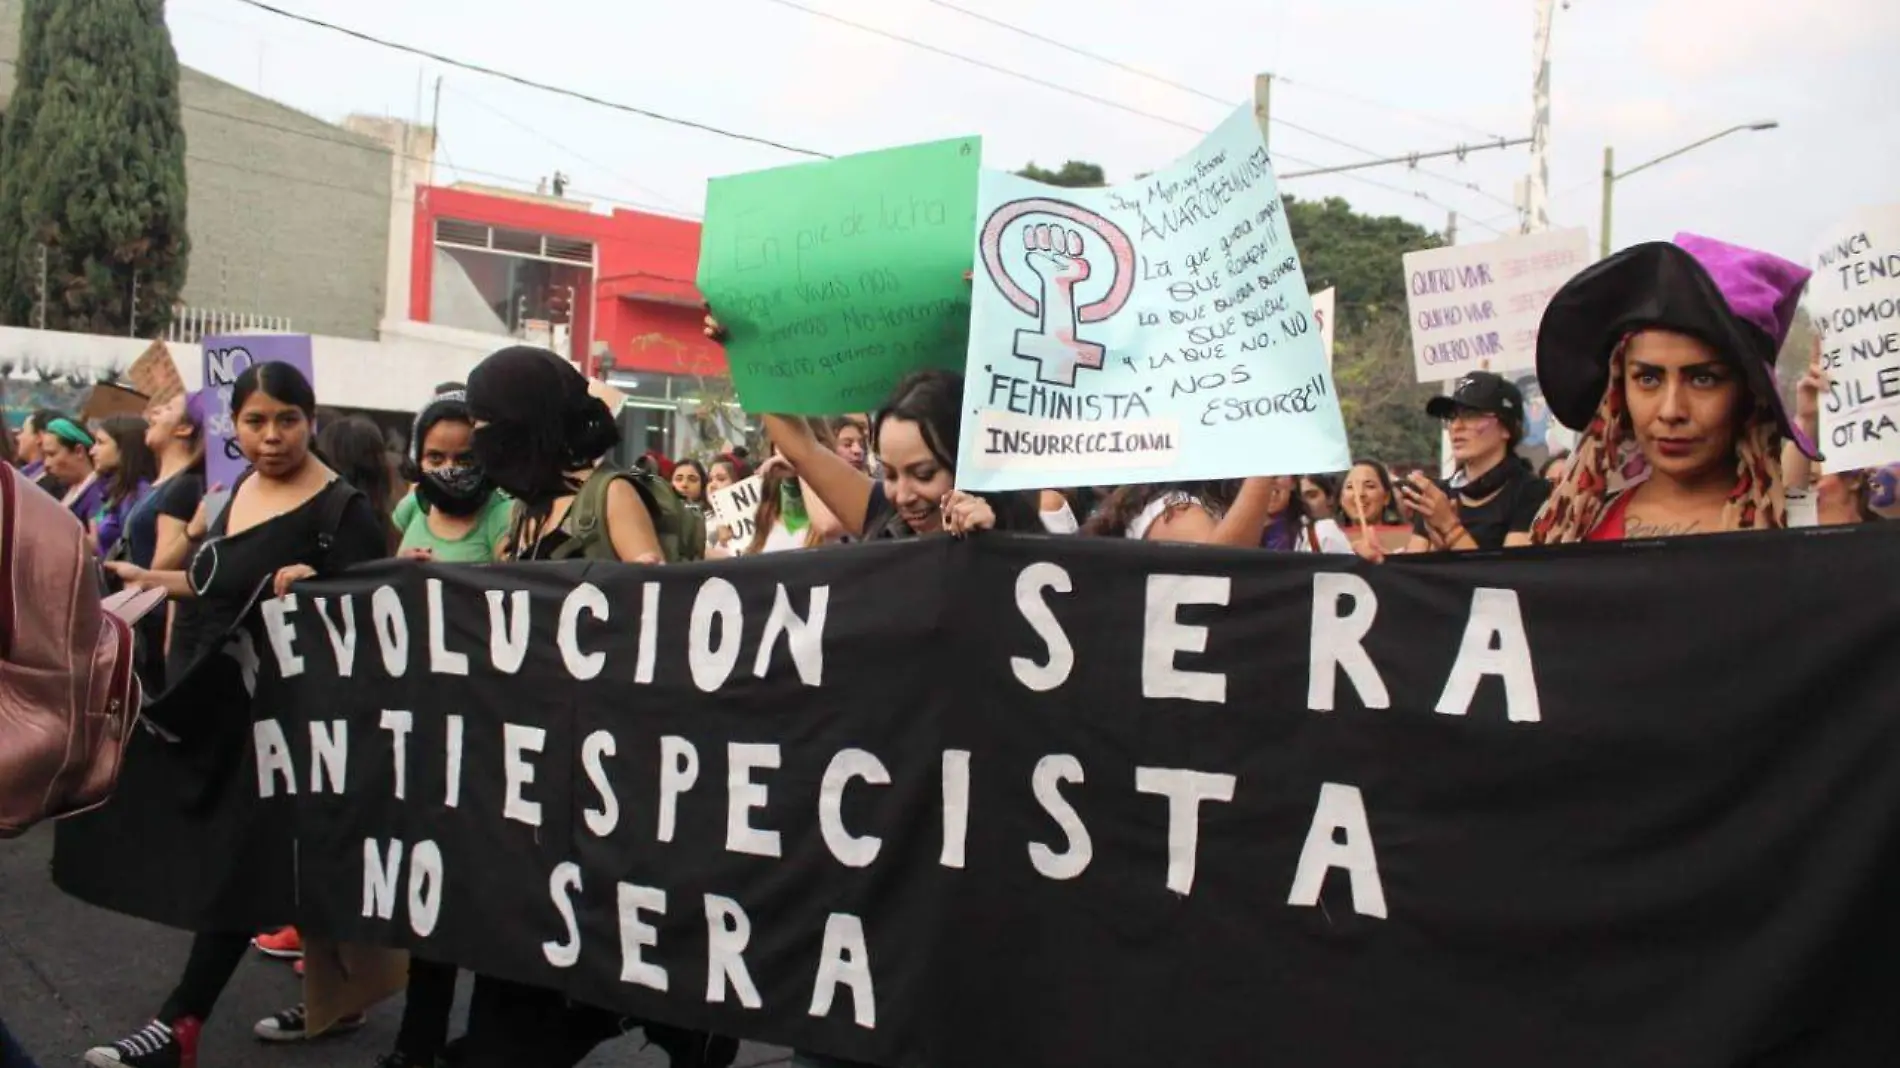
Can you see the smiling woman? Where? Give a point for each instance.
(915, 438)
(1664, 357)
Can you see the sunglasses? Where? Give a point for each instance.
(1469, 417)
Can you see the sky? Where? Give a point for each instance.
(1389, 77)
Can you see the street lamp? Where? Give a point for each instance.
(1610, 177)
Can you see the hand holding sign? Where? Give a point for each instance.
(1807, 393)
(964, 513)
(1855, 295)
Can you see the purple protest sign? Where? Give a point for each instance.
(225, 358)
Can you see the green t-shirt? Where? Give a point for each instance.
(475, 547)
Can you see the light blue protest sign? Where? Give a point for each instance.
(1154, 331)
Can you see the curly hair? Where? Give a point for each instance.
(1112, 517)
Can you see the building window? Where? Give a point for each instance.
(646, 426)
(511, 283)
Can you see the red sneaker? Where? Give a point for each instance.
(283, 945)
(156, 1045)
(186, 1031)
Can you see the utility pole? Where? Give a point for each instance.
(1263, 106)
(1537, 190)
(132, 306)
(1451, 229)
(1610, 177)
(1609, 186)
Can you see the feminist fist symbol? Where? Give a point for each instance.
(1055, 254)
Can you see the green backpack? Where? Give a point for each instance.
(682, 530)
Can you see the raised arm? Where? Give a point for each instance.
(1246, 521)
(843, 489)
(1797, 471)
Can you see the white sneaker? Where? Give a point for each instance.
(293, 1025)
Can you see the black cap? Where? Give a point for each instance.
(1479, 391)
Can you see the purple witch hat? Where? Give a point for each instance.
(1738, 300)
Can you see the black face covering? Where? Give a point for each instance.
(457, 491)
(539, 424)
(509, 456)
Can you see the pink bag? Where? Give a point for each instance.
(69, 698)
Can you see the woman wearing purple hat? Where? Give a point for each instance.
(1663, 357)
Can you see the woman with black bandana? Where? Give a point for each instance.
(541, 436)
(455, 515)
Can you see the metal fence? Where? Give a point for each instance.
(192, 325)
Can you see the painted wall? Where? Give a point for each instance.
(645, 307)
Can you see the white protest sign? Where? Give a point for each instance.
(1477, 307)
(1323, 315)
(1855, 301)
(734, 506)
(1153, 331)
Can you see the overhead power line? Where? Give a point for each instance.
(985, 65)
(1411, 159)
(1117, 105)
(376, 147)
(531, 131)
(348, 140)
(533, 84)
(1216, 98)
(1032, 79)
(1422, 116)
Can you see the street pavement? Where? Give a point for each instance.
(73, 976)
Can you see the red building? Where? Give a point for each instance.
(614, 293)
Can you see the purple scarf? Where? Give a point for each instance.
(90, 500)
(1282, 534)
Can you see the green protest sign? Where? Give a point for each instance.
(835, 278)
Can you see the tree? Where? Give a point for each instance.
(1361, 256)
(94, 170)
(1074, 175)
(18, 286)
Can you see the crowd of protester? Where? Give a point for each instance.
(1662, 357)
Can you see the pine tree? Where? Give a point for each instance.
(94, 169)
(18, 283)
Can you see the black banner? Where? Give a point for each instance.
(1043, 801)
